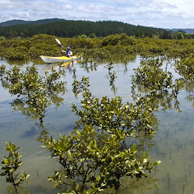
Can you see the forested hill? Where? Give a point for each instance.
(16, 22)
(71, 28)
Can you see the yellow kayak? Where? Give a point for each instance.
(48, 59)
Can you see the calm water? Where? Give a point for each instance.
(173, 143)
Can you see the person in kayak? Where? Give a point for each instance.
(68, 52)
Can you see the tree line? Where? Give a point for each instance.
(70, 28)
(79, 28)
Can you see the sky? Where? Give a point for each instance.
(154, 13)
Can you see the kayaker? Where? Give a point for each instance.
(68, 52)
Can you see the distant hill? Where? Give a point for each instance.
(13, 22)
(187, 30)
(38, 22)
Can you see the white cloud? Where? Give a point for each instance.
(31, 6)
(43, 6)
(6, 5)
(162, 5)
(92, 9)
(157, 13)
(89, 9)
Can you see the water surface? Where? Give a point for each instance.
(173, 143)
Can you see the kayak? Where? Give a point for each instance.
(48, 59)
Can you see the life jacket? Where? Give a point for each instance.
(68, 53)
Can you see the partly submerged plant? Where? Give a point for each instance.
(11, 164)
(34, 92)
(93, 161)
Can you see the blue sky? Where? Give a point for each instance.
(155, 13)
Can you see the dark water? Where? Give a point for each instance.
(173, 143)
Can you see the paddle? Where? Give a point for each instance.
(61, 45)
(59, 42)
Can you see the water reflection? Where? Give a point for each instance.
(89, 67)
(111, 77)
(144, 185)
(188, 86)
(80, 86)
(32, 133)
(20, 190)
(61, 66)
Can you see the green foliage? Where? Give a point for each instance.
(149, 71)
(110, 115)
(92, 35)
(83, 36)
(180, 35)
(2, 68)
(82, 43)
(27, 49)
(11, 164)
(122, 39)
(189, 36)
(18, 53)
(119, 30)
(109, 48)
(2, 38)
(92, 156)
(151, 77)
(37, 92)
(95, 159)
(139, 34)
(186, 67)
(166, 34)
